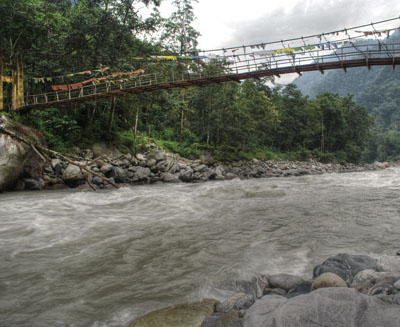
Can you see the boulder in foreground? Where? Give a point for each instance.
(339, 307)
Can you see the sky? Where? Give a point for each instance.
(224, 23)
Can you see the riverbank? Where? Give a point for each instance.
(345, 290)
(22, 167)
(155, 166)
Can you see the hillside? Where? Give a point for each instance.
(377, 89)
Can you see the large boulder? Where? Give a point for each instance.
(181, 315)
(345, 265)
(339, 307)
(17, 159)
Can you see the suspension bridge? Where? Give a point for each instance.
(361, 46)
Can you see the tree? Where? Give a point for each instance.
(179, 35)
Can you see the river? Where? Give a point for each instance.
(71, 258)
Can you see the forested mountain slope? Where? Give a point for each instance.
(377, 89)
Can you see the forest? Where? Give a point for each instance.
(378, 89)
(60, 39)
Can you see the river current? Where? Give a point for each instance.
(72, 258)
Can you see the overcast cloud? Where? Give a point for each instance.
(226, 23)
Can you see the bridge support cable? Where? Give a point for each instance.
(276, 58)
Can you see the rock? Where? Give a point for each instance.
(20, 186)
(186, 175)
(200, 168)
(345, 265)
(174, 169)
(55, 162)
(162, 166)
(101, 148)
(212, 321)
(219, 170)
(206, 159)
(119, 174)
(106, 168)
(255, 286)
(369, 281)
(88, 154)
(397, 285)
(140, 157)
(284, 281)
(388, 263)
(57, 187)
(140, 173)
(97, 180)
(58, 170)
(157, 155)
(230, 176)
(275, 291)
(48, 169)
(303, 288)
(240, 301)
(182, 315)
(379, 165)
(339, 307)
(34, 184)
(73, 174)
(170, 178)
(328, 280)
(150, 163)
(381, 285)
(16, 158)
(229, 319)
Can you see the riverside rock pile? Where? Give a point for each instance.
(346, 290)
(154, 165)
(23, 168)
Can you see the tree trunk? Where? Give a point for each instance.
(136, 123)
(111, 119)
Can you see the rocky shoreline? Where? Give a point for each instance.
(23, 168)
(155, 166)
(345, 290)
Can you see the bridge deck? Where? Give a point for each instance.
(149, 85)
(236, 66)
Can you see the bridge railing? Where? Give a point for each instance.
(246, 63)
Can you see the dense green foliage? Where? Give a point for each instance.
(230, 120)
(378, 90)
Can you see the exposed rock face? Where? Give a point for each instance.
(182, 315)
(339, 307)
(18, 159)
(345, 265)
